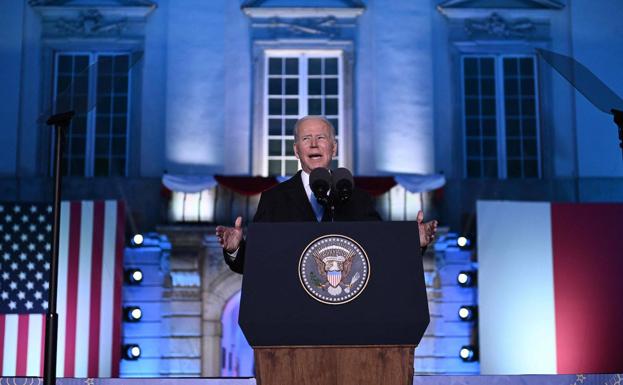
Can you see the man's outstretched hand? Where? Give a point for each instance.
(427, 230)
(230, 237)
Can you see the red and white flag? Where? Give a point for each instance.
(89, 290)
(549, 287)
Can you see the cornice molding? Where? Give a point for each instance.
(302, 12)
(132, 10)
(90, 3)
(463, 14)
(309, 3)
(469, 9)
(534, 4)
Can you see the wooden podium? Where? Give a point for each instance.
(299, 339)
(334, 365)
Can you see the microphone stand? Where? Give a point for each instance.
(60, 122)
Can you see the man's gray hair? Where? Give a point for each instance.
(316, 117)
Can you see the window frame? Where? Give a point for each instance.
(303, 97)
(500, 112)
(90, 129)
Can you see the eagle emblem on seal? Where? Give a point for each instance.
(334, 269)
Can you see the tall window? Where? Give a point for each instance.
(96, 86)
(298, 84)
(500, 117)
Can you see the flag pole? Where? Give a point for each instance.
(60, 122)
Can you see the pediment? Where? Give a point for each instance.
(302, 4)
(300, 8)
(469, 9)
(91, 3)
(72, 9)
(500, 4)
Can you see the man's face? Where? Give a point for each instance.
(314, 147)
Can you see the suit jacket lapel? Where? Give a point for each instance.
(299, 198)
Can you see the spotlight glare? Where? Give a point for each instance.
(464, 312)
(132, 313)
(468, 313)
(466, 278)
(462, 278)
(136, 313)
(133, 276)
(137, 275)
(468, 353)
(137, 239)
(465, 353)
(462, 241)
(131, 352)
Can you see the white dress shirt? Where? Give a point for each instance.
(318, 209)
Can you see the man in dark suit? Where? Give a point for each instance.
(293, 200)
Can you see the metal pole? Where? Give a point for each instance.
(60, 123)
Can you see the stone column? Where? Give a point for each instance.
(182, 333)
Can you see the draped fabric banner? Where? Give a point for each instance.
(374, 185)
(252, 185)
(415, 183)
(246, 185)
(188, 183)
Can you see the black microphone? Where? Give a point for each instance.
(343, 184)
(320, 183)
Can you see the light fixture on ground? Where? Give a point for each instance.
(466, 278)
(137, 239)
(133, 276)
(468, 353)
(132, 313)
(463, 242)
(468, 313)
(131, 352)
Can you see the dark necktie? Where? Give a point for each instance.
(318, 209)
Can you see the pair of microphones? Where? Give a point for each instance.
(339, 181)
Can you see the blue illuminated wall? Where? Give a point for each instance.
(195, 87)
(197, 92)
(197, 110)
(596, 38)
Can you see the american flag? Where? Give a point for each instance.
(89, 289)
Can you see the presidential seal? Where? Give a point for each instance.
(334, 269)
